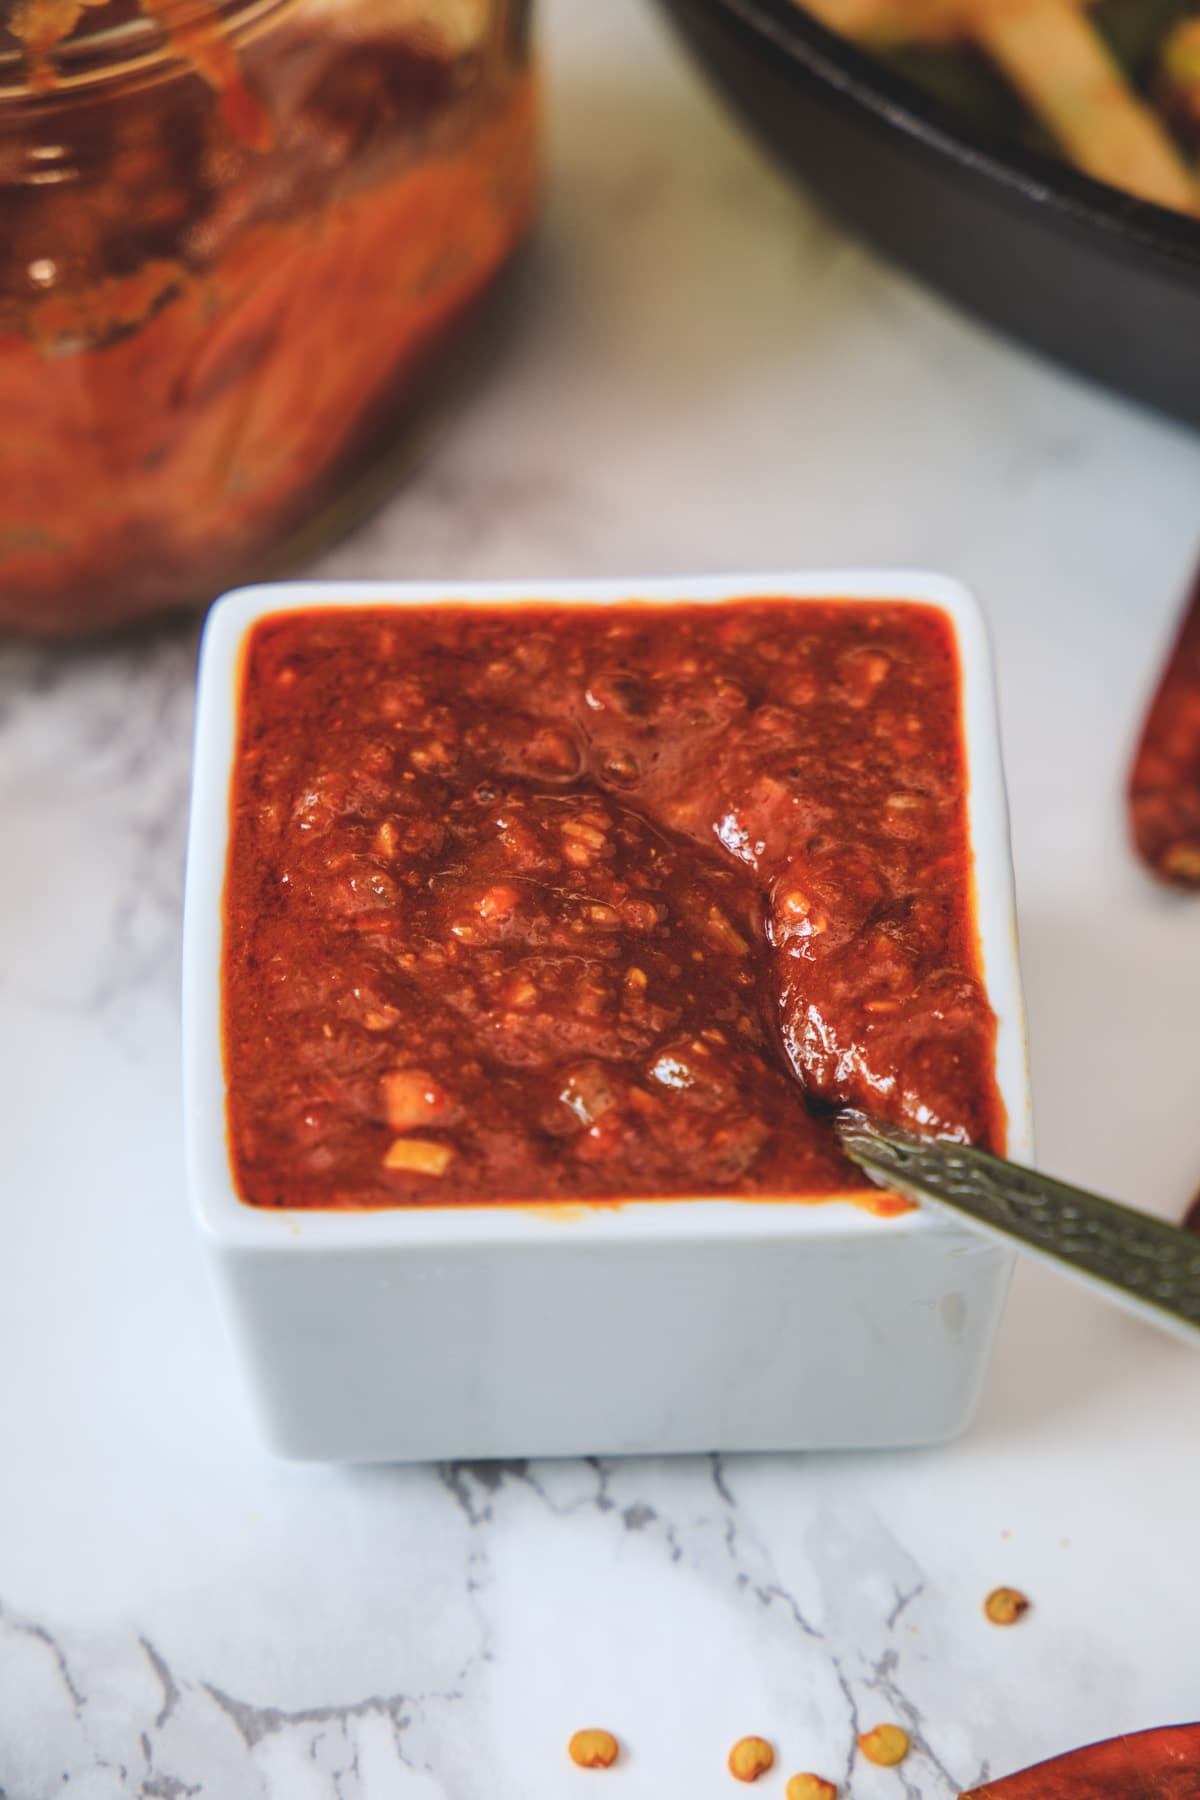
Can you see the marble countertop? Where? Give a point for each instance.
(711, 376)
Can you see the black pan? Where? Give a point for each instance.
(1104, 282)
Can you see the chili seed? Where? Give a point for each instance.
(1005, 1605)
(809, 1787)
(593, 1749)
(886, 1745)
(750, 1758)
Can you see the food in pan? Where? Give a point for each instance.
(1111, 85)
(750, 1758)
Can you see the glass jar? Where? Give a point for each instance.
(245, 246)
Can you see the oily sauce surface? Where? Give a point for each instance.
(545, 902)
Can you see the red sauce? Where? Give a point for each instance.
(553, 903)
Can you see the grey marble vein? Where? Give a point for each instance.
(116, 1706)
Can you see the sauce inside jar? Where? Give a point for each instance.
(238, 268)
(531, 903)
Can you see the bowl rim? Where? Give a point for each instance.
(226, 1220)
(1014, 171)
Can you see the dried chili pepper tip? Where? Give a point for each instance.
(809, 1787)
(1005, 1605)
(750, 1758)
(886, 1745)
(593, 1749)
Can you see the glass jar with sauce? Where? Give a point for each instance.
(245, 246)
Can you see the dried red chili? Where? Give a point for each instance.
(886, 1745)
(1164, 783)
(1005, 1605)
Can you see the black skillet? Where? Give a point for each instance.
(1105, 283)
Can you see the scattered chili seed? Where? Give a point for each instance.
(750, 1758)
(593, 1749)
(886, 1745)
(809, 1787)
(1004, 1605)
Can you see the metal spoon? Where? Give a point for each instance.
(1145, 1265)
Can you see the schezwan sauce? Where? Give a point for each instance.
(542, 902)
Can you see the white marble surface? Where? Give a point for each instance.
(712, 377)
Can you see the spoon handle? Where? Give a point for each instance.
(1140, 1262)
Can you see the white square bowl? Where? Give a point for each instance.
(475, 1331)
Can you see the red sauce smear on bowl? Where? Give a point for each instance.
(540, 902)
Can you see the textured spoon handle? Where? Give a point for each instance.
(1143, 1263)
